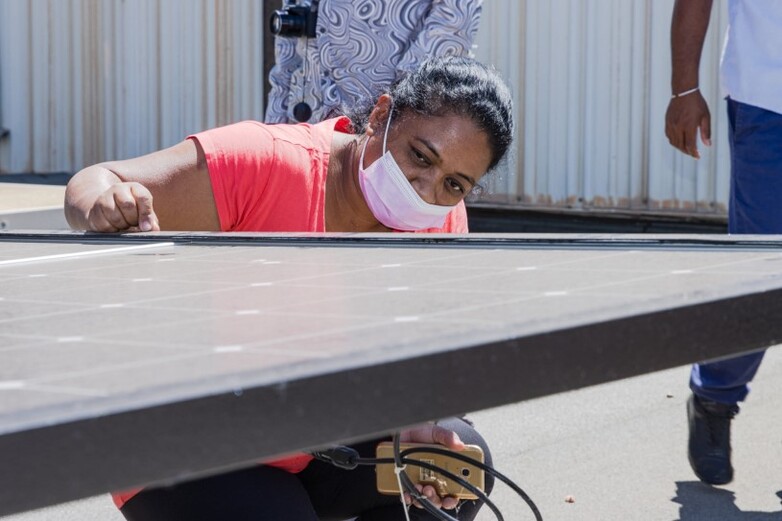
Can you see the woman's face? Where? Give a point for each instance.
(443, 157)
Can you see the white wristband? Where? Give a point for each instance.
(686, 92)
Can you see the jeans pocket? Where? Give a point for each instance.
(742, 120)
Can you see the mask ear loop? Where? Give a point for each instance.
(388, 126)
(385, 141)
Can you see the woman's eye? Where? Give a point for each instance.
(455, 186)
(420, 157)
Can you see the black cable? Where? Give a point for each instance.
(428, 505)
(409, 486)
(302, 111)
(497, 474)
(454, 477)
(348, 458)
(469, 486)
(341, 456)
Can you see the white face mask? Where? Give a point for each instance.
(392, 199)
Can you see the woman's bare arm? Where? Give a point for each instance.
(165, 190)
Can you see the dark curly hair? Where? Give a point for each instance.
(452, 85)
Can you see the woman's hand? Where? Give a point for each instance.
(117, 195)
(123, 207)
(431, 433)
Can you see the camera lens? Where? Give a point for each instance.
(286, 23)
(275, 23)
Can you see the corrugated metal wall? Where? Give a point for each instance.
(2, 129)
(88, 80)
(591, 80)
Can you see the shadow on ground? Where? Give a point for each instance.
(701, 502)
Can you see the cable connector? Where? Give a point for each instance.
(340, 456)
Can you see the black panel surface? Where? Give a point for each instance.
(145, 359)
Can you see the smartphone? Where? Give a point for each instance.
(388, 484)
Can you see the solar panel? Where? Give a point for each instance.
(156, 357)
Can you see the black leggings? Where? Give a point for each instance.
(321, 492)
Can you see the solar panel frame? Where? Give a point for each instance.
(193, 430)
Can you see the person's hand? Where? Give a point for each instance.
(123, 207)
(431, 433)
(684, 117)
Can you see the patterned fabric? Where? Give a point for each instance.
(361, 47)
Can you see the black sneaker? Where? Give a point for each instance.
(709, 446)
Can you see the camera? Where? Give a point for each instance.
(295, 20)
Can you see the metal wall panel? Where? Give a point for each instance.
(2, 130)
(88, 80)
(591, 80)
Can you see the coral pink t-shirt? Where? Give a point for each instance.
(272, 178)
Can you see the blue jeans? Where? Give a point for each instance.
(755, 137)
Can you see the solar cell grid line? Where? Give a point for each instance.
(151, 358)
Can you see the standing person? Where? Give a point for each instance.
(334, 52)
(405, 163)
(752, 81)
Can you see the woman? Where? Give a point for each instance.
(414, 156)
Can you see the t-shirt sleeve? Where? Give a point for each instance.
(239, 158)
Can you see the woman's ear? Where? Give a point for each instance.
(379, 114)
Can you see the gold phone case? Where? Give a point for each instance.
(387, 482)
